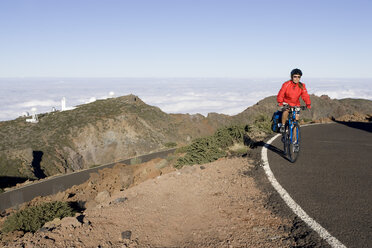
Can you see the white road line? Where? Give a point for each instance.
(323, 233)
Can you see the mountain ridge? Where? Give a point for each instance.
(112, 129)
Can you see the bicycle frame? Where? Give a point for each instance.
(291, 138)
(291, 122)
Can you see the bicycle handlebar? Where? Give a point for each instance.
(289, 107)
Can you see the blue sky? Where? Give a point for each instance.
(185, 38)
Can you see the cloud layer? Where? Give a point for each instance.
(193, 95)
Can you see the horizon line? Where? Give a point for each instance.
(168, 77)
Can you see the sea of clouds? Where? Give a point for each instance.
(172, 95)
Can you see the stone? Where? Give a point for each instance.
(126, 235)
(52, 224)
(102, 196)
(44, 229)
(258, 229)
(275, 237)
(121, 199)
(70, 222)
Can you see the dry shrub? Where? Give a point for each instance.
(33, 218)
(211, 148)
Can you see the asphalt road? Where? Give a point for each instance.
(332, 178)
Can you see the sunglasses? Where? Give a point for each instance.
(296, 76)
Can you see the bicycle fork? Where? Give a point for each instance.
(294, 133)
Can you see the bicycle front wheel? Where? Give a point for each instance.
(293, 144)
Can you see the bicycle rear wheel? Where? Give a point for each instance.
(293, 146)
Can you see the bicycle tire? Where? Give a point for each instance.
(285, 138)
(292, 153)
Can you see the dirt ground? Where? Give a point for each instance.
(153, 205)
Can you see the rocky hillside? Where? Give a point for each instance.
(93, 134)
(322, 107)
(109, 130)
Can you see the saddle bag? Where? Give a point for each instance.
(276, 121)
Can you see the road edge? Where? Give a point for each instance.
(322, 232)
(17, 196)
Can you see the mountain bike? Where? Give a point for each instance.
(291, 137)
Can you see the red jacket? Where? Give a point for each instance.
(290, 93)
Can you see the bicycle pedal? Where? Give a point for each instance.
(296, 148)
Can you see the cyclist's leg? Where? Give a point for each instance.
(298, 138)
(284, 119)
(295, 129)
(285, 116)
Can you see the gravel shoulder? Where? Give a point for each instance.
(214, 205)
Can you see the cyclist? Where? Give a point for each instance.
(290, 94)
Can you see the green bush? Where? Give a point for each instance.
(229, 135)
(33, 218)
(201, 151)
(171, 158)
(209, 149)
(181, 149)
(263, 123)
(170, 144)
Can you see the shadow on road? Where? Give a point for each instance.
(272, 148)
(365, 126)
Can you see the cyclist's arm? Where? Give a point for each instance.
(305, 96)
(280, 96)
(283, 107)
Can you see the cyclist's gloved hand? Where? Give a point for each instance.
(308, 106)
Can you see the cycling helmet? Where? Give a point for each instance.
(296, 72)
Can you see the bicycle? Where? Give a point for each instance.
(292, 142)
